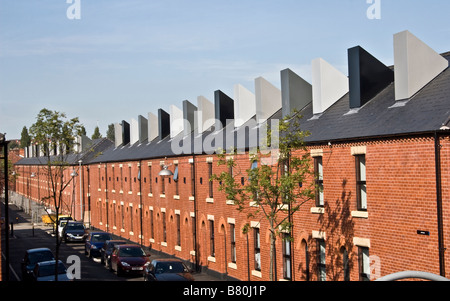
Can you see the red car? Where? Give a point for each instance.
(129, 259)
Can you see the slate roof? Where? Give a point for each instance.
(382, 116)
(96, 149)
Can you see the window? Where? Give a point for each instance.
(178, 229)
(364, 264)
(361, 195)
(306, 270)
(211, 237)
(194, 234)
(209, 180)
(152, 231)
(318, 173)
(257, 249)
(150, 179)
(233, 243)
(164, 227)
(129, 173)
(131, 217)
(114, 179)
(122, 219)
(287, 256)
(345, 264)
(163, 188)
(175, 179)
(321, 267)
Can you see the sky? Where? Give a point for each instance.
(120, 59)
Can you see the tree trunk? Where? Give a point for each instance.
(272, 255)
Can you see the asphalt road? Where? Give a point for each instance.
(24, 236)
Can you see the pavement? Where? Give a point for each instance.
(24, 235)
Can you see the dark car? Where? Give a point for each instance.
(129, 259)
(107, 249)
(74, 232)
(45, 271)
(167, 270)
(31, 258)
(94, 242)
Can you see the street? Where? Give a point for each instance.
(24, 236)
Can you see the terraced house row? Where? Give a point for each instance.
(380, 149)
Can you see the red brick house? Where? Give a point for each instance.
(380, 147)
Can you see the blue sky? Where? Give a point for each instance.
(127, 58)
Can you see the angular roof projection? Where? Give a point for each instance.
(329, 85)
(378, 114)
(367, 76)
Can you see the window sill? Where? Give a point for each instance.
(211, 258)
(257, 273)
(209, 200)
(360, 214)
(232, 265)
(176, 197)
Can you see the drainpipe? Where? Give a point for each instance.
(197, 261)
(140, 199)
(437, 150)
(106, 197)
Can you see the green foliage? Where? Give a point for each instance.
(25, 139)
(96, 134)
(53, 130)
(278, 185)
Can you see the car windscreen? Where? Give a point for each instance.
(49, 269)
(40, 256)
(169, 267)
(131, 252)
(101, 237)
(75, 227)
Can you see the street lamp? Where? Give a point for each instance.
(73, 175)
(165, 172)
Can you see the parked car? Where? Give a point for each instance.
(94, 242)
(45, 271)
(62, 223)
(74, 231)
(31, 258)
(167, 270)
(107, 249)
(129, 259)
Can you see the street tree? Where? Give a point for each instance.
(96, 134)
(276, 186)
(25, 139)
(56, 136)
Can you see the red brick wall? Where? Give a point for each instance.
(401, 196)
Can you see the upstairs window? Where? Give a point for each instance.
(361, 194)
(318, 173)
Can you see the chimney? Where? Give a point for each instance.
(176, 121)
(125, 132)
(189, 124)
(268, 99)
(134, 131)
(416, 64)
(142, 128)
(163, 124)
(329, 85)
(118, 134)
(224, 109)
(296, 93)
(367, 76)
(244, 105)
(153, 127)
(205, 114)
